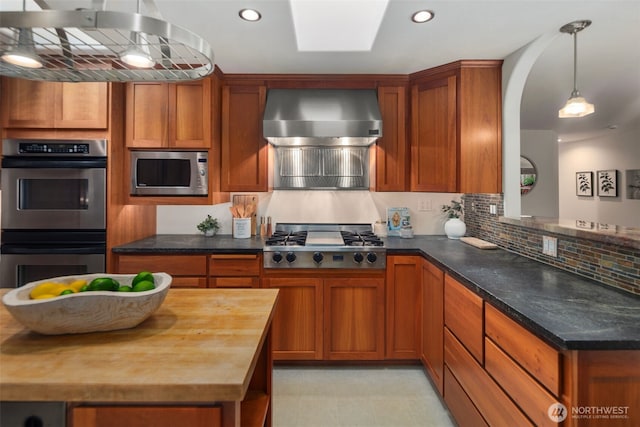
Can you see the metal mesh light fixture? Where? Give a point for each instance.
(576, 105)
(91, 45)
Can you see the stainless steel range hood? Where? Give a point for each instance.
(322, 117)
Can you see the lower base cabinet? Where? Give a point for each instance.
(187, 271)
(328, 318)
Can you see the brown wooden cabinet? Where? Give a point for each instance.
(297, 328)
(187, 271)
(244, 150)
(354, 319)
(328, 318)
(432, 354)
(403, 305)
(456, 140)
(392, 164)
(169, 115)
(234, 270)
(30, 104)
(136, 416)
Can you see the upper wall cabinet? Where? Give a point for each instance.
(456, 141)
(30, 104)
(244, 164)
(169, 115)
(392, 169)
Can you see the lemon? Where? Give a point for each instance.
(103, 284)
(143, 276)
(45, 288)
(44, 296)
(77, 284)
(145, 285)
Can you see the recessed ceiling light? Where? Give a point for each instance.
(250, 15)
(422, 16)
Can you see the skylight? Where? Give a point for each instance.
(337, 25)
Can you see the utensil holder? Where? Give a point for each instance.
(241, 228)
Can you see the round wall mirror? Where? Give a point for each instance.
(528, 175)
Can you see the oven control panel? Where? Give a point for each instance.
(366, 258)
(53, 148)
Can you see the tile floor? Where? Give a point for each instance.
(355, 396)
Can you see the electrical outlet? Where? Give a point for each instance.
(550, 246)
(493, 209)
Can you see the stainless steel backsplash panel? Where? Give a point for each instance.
(321, 168)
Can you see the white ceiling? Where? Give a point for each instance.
(608, 51)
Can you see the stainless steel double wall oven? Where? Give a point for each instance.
(53, 209)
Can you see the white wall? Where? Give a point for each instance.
(615, 149)
(541, 147)
(317, 207)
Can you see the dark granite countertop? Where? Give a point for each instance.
(564, 309)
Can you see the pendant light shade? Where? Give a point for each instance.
(576, 105)
(138, 55)
(23, 54)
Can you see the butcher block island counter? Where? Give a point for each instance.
(202, 359)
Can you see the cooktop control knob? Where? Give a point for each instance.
(276, 257)
(372, 257)
(317, 257)
(291, 257)
(358, 257)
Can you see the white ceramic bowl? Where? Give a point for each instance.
(90, 311)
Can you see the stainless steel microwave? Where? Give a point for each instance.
(169, 173)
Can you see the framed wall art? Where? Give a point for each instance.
(633, 184)
(608, 183)
(584, 184)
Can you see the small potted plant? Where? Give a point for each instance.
(209, 226)
(454, 228)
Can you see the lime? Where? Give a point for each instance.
(145, 285)
(84, 288)
(143, 276)
(67, 292)
(125, 288)
(103, 284)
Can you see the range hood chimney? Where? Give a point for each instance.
(322, 117)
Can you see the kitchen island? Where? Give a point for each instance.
(203, 357)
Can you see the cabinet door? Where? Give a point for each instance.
(147, 115)
(433, 138)
(244, 149)
(82, 105)
(27, 103)
(391, 150)
(403, 307)
(354, 319)
(433, 323)
(190, 114)
(297, 324)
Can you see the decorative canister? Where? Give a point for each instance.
(454, 228)
(241, 228)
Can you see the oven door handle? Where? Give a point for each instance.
(50, 163)
(13, 249)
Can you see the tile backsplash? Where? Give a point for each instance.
(606, 263)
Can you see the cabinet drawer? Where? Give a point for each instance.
(463, 315)
(532, 398)
(234, 265)
(494, 405)
(463, 410)
(135, 416)
(537, 357)
(234, 282)
(175, 265)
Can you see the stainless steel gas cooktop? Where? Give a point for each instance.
(295, 245)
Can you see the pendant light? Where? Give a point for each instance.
(138, 55)
(23, 54)
(576, 105)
